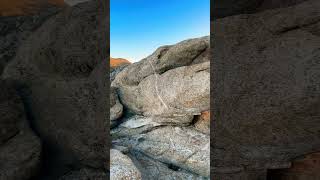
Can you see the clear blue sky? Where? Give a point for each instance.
(138, 27)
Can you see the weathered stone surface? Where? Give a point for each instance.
(223, 8)
(63, 82)
(116, 70)
(161, 94)
(14, 30)
(74, 2)
(182, 147)
(172, 83)
(116, 107)
(20, 148)
(133, 126)
(122, 167)
(85, 174)
(306, 167)
(177, 92)
(165, 58)
(202, 123)
(72, 43)
(152, 169)
(266, 95)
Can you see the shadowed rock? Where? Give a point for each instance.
(266, 95)
(14, 30)
(224, 8)
(63, 82)
(85, 174)
(20, 148)
(116, 107)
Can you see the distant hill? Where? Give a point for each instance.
(115, 62)
(23, 7)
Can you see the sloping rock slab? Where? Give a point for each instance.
(182, 147)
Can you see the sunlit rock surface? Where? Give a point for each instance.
(163, 96)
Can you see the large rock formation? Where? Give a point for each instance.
(63, 81)
(20, 148)
(161, 94)
(223, 8)
(266, 95)
(172, 83)
(14, 30)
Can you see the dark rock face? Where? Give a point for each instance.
(63, 81)
(71, 43)
(224, 8)
(305, 167)
(85, 174)
(20, 148)
(267, 101)
(116, 108)
(14, 30)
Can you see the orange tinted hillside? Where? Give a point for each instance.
(23, 7)
(114, 62)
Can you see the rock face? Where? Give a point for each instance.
(161, 94)
(26, 7)
(306, 167)
(70, 29)
(121, 167)
(266, 105)
(182, 147)
(20, 148)
(116, 66)
(85, 174)
(224, 8)
(164, 85)
(63, 82)
(202, 123)
(116, 108)
(153, 169)
(14, 30)
(74, 2)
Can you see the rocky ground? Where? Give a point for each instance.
(160, 115)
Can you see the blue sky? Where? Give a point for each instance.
(138, 27)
